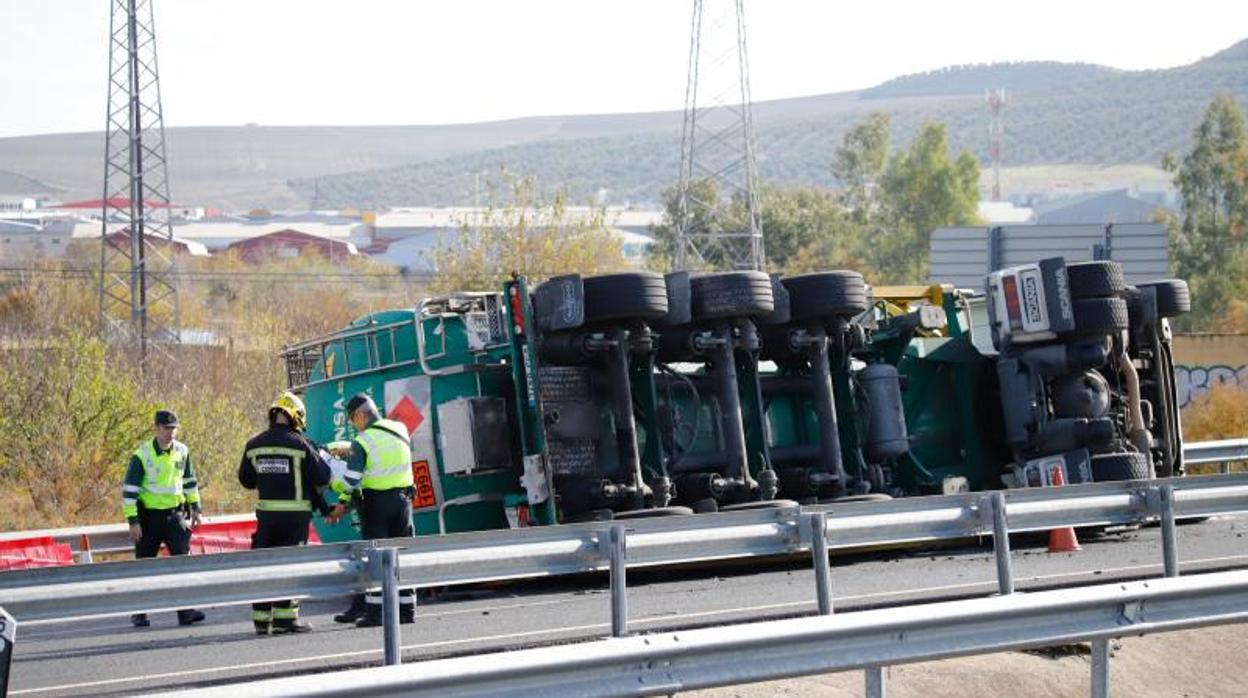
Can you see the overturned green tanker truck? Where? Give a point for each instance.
(637, 394)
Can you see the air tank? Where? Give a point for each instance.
(886, 419)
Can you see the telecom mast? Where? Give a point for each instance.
(719, 222)
(138, 290)
(996, 129)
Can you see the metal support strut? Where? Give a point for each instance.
(619, 584)
(1001, 543)
(818, 523)
(1169, 534)
(877, 683)
(390, 604)
(1100, 668)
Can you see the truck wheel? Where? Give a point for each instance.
(731, 294)
(1173, 296)
(841, 293)
(1100, 315)
(634, 295)
(1095, 279)
(1110, 467)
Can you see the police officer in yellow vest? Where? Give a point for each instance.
(379, 469)
(288, 473)
(157, 493)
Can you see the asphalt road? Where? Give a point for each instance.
(109, 657)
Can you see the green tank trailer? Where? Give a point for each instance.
(637, 394)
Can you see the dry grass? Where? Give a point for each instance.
(1222, 413)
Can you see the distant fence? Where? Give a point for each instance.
(962, 256)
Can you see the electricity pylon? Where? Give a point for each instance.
(138, 289)
(719, 221)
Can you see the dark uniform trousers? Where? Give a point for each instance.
(387, 514)
(279, 529)
(165, 527)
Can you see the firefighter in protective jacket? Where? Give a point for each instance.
(289, 475)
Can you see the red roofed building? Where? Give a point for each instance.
(176, 246)
(290, 243)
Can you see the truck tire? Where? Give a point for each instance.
(1173, 296)
(731, 294)
(634, 295)
(1112, 467)
(1101, 279)
(1100, 315)
(841, 293)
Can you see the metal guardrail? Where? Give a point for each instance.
(113, 537)
(118, 588)
(1224, 451)
(665, 663)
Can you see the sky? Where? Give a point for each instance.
(379, 62)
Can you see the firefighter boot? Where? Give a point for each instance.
(354, 612)
(292, 627)
(262, 618)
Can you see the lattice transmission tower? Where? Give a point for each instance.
(996, 131)
(719, 222)
(138, 288)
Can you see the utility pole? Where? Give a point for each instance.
(719, 222)
(996, 130)
(138, 289)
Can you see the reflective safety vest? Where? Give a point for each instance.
(280, 461)
(164, 485)
(387, 456)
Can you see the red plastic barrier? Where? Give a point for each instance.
(222, 537)
(28, 553)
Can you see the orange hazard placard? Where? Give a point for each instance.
(423, 482)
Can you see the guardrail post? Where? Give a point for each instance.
(390, 604)
(619, 584)
(1169, 534)
(877, 684)
(1001, 542)
(818, 525)
(1225, 467)
(1100, 668)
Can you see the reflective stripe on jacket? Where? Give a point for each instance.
(167, 480)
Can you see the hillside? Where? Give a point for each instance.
(974, 79)
(12, 183)
(1104, 117)
(1058, 114)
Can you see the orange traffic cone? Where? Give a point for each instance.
(1062, 540)
(84, 550)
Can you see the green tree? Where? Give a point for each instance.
(922, 189)
(1209, 244)
(809, 229)
(71, 418)
(710, 218)
(528, 235)
(858, 164)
